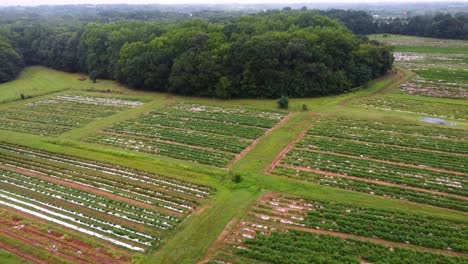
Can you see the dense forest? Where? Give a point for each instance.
(225, 54)
(434, 26)
(264, 55)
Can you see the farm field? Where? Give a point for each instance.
(55, 115)
(114, 175)
(280, 229)
(441, 65)
(200, 133)
(406, 161)
(126, 208)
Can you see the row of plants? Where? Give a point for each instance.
(422, 130)
(215, 127)
(446, 161)
(415, 106)
(330, 129)
(129, 189)
(242, 116)
(416, 177)
(98, 203)
(93, 166)
(399, 193)
(196, 138)
(209, 135)
(395, 226)
(79, 212)
(297, 247)
(203, 156)
(62, 113)
(32, 128)
(149, 206)
(270, 234)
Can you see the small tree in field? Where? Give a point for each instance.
(93, 76)
(283, 102)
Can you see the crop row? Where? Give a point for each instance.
(130, 189)
(395, 226)
(86, 166)
(202, 125)
(388, 137)
(196, 138)
(32, 128)
(78, 207)
(297, 247)
(396, 154)
(92, 201)
(409, 128)
(421, 178)
(437, 109)
(203, 156)
(58, 114)
(375, 189)
(270, 234)
(232, 115)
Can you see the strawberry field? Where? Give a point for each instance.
(418, 163)
(56, 115)
(128, 208)
(204, 134)
(455, 110)
(281, 229)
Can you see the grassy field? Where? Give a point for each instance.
(269, 150)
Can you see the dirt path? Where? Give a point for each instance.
(255, 142)
(278, 158)
(219, 242)
(374, 181)
(88, 189)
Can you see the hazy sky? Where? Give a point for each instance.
(61, 2)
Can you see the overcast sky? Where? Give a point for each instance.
(62, 2)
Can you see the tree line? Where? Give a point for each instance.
(435, 26)
(263, 55)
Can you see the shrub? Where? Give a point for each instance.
(283, 102)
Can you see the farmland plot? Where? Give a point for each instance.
(441, 65)
(418, 163)
(203, 134)
(130, 209)
(59, 114)
(439, 75)
(282, 229)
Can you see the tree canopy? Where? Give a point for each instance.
(294, 53)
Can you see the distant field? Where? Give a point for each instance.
(411, 41)
(38, 80)
(441, 65)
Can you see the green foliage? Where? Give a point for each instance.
(11, 61)
(236, 178)
(283, 102)
(264, 55)
(440, 25)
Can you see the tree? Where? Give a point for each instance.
(283, 102)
